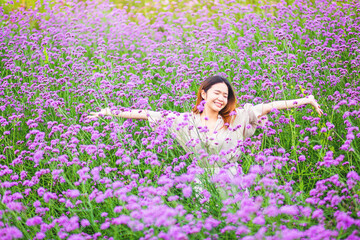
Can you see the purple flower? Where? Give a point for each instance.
(105, 225)
(344, 221)
(290, 210)
(291, 234)
(40, 235)
(187, 191)
(210, 223)
(72, 224)
(353, 175)
(281, 150)
(118, 209)
(47, 196)
(201, 106)
(15, 206)
(242, 230)
(10, 233)
(38, 155)
(173, 198)
(37, 204)
(41, 191)
(317, 147)
(260, 220)
(85, 223)
(271, 211)
(318, 213)
(72, 193)
(77, 237)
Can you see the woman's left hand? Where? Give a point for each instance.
(315, 104)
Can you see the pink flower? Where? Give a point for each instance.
(72, 193)
(173, 198)
(105, 225)
(210, 223)
(72, 224)
(40, 235)
(15, 206)
(41, 191)
(118, 209)
(10, 233)
(201, 106)
(318, 213)
(85, 222)
(290, 210)
(37, 204)
(34, 221)
(187, 191)
(260, 220)
(38, 155)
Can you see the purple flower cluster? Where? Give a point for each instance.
(65, 176)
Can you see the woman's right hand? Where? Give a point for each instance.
(103, 112)
(315, 104)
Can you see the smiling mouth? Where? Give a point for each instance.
(218, 104)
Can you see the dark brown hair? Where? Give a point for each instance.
(232, 101)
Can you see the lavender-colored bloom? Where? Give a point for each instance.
(291, 234)
(38, 155)
(210, 223)
(40, 235)
(37, 203)
(85, 223)
(353, 175)
(318, 213)
(34, 221)
(290, 210)
(15, 206)
(187, 191)
(10, 233)
(72, 224)
(271, 211)
(105, 225)
(317, 147)
(173, 198)
(201, 106)
(344, 221)
(74, 193)
(260, 220)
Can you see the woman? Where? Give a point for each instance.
(216, 127)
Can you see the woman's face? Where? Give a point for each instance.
(216, 97)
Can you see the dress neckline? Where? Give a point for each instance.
(218, 122)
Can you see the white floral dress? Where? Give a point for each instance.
(224, 143)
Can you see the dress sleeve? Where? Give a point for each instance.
(157, 119)
(153, 117)
(249, 118)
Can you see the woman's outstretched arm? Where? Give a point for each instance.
(134, 114)
(291, 104)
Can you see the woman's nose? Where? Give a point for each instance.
(221, 98)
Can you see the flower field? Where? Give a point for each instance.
(64, 176)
